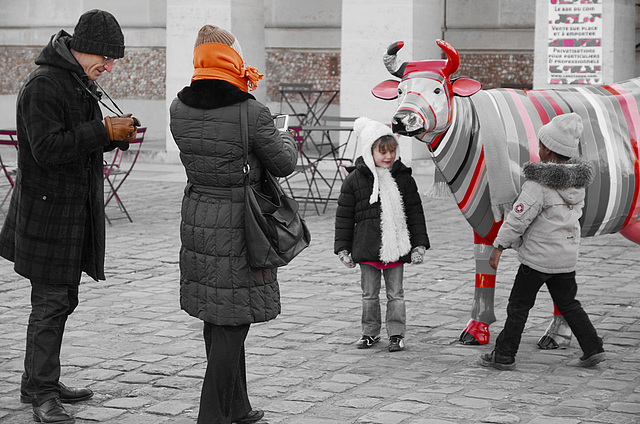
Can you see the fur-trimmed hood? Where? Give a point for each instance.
(212, 94)
(560, 175)
(568, 179)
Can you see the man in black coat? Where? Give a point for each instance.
(55, 229)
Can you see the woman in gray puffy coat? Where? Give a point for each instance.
(217, 284)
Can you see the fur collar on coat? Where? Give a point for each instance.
(212, 94)
(560, 175)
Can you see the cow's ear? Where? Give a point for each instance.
(466, 87)
(386, 90)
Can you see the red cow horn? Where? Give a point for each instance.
(391, 62)
(453, 58)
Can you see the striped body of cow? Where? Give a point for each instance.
(479, 140)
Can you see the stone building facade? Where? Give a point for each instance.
(302, 44)
(141, 73)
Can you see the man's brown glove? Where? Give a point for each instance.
(136, 124)
(121, 128)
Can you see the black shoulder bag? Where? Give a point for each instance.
(274, 230)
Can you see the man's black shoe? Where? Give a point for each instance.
(67, 394)
(252, 417)
(52, 411)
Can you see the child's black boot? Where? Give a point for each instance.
(497, 361)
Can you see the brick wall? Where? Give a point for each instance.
(321, 70)
(492, 70)
(140, 74)
(16, 64)
(498, 70)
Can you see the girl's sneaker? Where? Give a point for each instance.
(396, 343)
(366, 342)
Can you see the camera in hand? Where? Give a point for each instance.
(281, 122)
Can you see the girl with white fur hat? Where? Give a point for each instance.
(380, 224)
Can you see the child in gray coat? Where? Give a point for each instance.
(543, 226)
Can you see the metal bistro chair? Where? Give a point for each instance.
(116, 172)
(10, 169)
(322, 166)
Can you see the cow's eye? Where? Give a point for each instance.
(437, 91)
(399, 91)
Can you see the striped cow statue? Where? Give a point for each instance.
(479, 140)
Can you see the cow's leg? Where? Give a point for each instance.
(482, 315)
(632, 232)
(558, 333)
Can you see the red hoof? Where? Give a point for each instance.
(476, 333)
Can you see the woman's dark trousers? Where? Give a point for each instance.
(224, 396)
(51, 304)
(563, 290)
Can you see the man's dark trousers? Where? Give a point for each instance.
(51, 304)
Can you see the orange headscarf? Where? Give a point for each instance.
(219, 61)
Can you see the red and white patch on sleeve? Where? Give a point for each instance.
(519, 208)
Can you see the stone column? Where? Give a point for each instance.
(582, 37)
(244, 18)
(368, 28)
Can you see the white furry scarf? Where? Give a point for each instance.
(395, 241)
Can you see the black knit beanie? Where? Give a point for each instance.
(98, 32)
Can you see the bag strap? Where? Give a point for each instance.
(244, 133)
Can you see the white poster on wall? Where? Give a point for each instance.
(575, 42)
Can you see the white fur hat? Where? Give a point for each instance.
(367, 132)
(562, 134)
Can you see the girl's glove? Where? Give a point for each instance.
(417, 254)
(345, 258)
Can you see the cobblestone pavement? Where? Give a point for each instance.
(144, 358)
